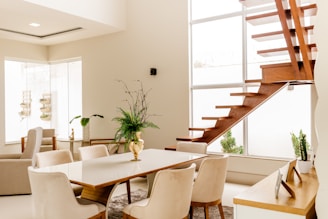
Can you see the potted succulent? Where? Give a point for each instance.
(301, 148)
(133, 119)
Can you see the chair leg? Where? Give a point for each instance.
(207, 213)
(128, 189)
(191, 212)
(221, 210)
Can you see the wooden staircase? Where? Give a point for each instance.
(275, 76)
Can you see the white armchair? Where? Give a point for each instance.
(13, 167)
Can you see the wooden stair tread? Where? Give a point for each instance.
(272, 17)
(282, 50)
(229, 106)
(215, 117)
(201, 129)
(188, 138)
(246, 94)
(309, 10)
(274, 35)
(252, 3)
(249, 81)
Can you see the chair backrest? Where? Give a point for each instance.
(49, 158)
(53, 197)
(171, 194)
(34, 138)
(94, 151)
(47, 135)
(193, 147)
(209, 184)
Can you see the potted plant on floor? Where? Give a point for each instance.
(134, 119)
(301, 148)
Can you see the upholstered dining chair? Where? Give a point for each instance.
(53, 198)
(50, 158)
(192, 147)
(170, 196)
(93, 151)
(100, 150)
(13, 167)
(209, 184)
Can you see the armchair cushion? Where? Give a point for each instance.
(14, 176)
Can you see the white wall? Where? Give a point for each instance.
(156, 36)
(15, 49)
(321, 80)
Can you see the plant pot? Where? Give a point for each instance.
(304, 166)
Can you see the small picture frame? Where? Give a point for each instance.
(291, 171)
(278, 183)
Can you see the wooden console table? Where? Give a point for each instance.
(259, 201)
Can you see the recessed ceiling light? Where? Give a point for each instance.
(34, 24)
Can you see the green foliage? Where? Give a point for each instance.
(228, 144)
(300, 145)
(136, 118)
(85, 120)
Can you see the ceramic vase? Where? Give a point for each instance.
(136, 147)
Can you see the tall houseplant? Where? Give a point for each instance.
(135, 118)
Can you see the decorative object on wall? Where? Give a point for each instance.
(25, 104)
(46, 107)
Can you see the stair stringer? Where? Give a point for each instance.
(250, 104)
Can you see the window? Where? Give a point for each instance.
(223, 56)
(45, 95)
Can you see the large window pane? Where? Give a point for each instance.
(41, 97)
(217, 52)
(270, 126)
(209, 8)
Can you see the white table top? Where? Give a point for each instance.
(105, 171)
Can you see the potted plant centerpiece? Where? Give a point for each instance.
(301, 148)
(133, 119)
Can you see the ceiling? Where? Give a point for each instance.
(55, 27)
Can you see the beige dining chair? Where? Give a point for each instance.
(100, 150)
(50, 158)
(209, 184)
(192, 147)
(94, 151)
(170, 196)
(53, 198)
(13, 167)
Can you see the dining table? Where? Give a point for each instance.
(100, 176)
